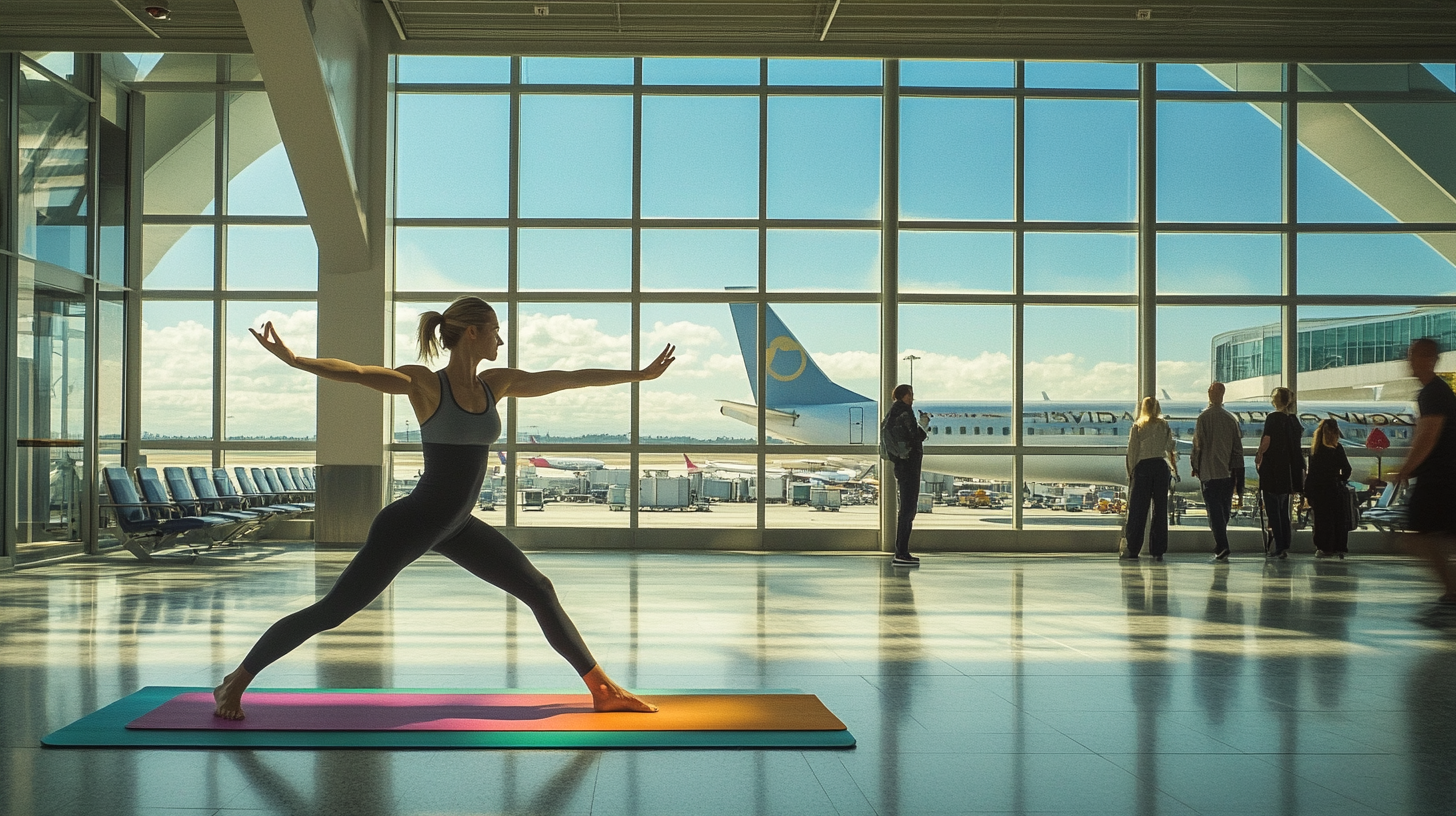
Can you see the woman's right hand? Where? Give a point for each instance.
(270, 340)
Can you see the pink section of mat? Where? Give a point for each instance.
(407, 711)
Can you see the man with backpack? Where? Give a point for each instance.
(902, 436)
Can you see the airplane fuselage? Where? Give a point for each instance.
(1091, 424)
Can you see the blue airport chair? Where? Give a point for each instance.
(155, 492)
(249, 488)
(247, 499)
(183, 495)
(299, 480)
(147, 527)
(283, 480)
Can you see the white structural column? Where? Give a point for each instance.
(889, 292)
(328, 87)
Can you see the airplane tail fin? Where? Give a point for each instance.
(533, 440)
(793, 376)
(691, 467)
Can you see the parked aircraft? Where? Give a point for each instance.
(804, 406)
(564, 462)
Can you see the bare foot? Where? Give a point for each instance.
(608, 696)
(229, 695)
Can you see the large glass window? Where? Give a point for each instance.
(699, 157)
(225, 247)
(824, 157)
(1081, 160)
(734, 208)
(54, 150)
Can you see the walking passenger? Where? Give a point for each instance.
(1326, 492)
(1281, 468)
(1151, 463)
(903, 437)
(1217, 462)
(1432, 463)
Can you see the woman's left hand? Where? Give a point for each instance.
(657, 367)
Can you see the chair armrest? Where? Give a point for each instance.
(139, 504)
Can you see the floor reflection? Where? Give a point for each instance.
(975, 684)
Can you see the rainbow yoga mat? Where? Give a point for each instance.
(177, 717)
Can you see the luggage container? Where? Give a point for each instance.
(825, 498)
(532, 498)
(800, 493)
(617, 497)
(717, 490)
(665, 493)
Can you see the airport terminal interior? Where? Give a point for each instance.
(1034, 214)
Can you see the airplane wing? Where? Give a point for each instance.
(744, 412)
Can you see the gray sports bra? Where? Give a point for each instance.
(453, 425)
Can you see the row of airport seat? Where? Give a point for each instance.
(163, 511)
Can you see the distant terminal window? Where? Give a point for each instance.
(1006, 431)
(978, 430)
(963, 429)
(1030, 431)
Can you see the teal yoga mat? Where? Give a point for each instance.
(107, 729)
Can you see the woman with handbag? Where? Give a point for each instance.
(1281, 467)
(1151, 463)
(1325, 490)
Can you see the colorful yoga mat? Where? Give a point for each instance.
(165, 716)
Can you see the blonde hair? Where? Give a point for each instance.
(1149, 411)
(1283, 400)
(464, 312)
(1326, 435)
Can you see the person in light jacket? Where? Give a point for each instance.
(1151, 463)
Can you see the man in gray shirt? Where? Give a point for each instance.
(1218, 462)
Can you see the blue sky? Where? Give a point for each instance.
(1218, 162)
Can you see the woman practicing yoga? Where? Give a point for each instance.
(458, 423)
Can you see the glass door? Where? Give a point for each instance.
(51, 395)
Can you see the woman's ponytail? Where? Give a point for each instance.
(429, 346)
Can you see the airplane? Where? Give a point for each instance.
(804, 406)
(742, 468)
(564, 462)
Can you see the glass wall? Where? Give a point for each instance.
(225, 247)
(737, 209)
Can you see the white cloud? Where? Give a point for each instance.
(1070, 377)
(849, 365)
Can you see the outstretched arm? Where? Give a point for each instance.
(379, 378)
(513, 382)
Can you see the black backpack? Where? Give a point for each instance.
(892, 439)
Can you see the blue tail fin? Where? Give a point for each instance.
(793, 376)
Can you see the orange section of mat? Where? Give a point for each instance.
(385, 711)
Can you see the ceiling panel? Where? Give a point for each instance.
(795, 27)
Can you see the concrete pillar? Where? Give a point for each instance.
(326, 68)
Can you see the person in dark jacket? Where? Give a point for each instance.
(1280, 463)
(904, 438)
(1324, 489)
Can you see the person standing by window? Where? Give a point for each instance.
(1325, 490)
(902, 438)
(1151, 463)
(1281, 468)
(1218, 462)
(1432, 462)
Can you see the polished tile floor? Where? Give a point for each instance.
(978, 684)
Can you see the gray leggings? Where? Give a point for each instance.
(395, 540)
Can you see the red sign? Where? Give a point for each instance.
(1377, 440)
